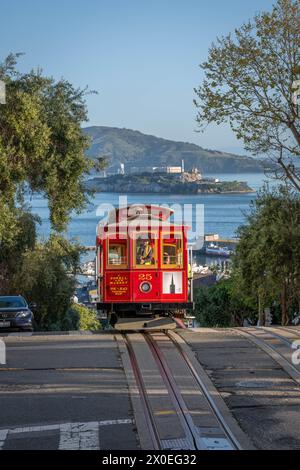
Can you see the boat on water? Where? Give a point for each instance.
(199, 269)
(216, 250)
(88, 269)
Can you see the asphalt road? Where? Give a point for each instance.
(69, 391)
(64, 392)
(262, 397)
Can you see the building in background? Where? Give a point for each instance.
(157, 169)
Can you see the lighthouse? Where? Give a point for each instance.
(172, 286)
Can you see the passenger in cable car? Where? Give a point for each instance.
(114, 255)
(167, 258)
(144, 252)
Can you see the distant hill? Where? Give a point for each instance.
(135, 149)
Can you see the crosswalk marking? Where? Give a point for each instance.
(73, 436)
(3, 435)
(76, 436)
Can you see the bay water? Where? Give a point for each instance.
(223, 213)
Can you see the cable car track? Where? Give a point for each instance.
(182, 411)
(143, 394)
(272, 350)
(273, 333)
(212, 404)
(194, 439)
(291, 329)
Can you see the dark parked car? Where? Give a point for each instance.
(15, 313)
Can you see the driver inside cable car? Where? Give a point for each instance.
(144, 252)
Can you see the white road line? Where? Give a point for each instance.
(115, 421)
(48, 427)
(3, 435)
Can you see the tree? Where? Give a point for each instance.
(45, 278)
(79, 317)
(222, 305)
(42, 148)
(266, 266)
(42, 144)
(18, 229)
(249, 81)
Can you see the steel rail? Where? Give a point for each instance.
(175, 395)
(144, 397)
(277, 356)
(211, 402)
(274, 334)
(290, 329)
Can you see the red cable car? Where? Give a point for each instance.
(142, 263)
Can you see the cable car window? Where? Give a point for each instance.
(146, 251)
(172, 253)
(117, 253)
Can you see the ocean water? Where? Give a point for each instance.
(223, 213)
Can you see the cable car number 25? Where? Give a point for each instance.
(145, 277)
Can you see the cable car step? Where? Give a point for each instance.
(144, 323)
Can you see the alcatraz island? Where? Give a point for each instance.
(164, 180)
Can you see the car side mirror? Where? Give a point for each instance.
(32, 305)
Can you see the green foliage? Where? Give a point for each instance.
(79, 317)
(45, 278)
(18, 228)
(249, 78)
(267, 261)
(42, 148)
(221, 305)
(266, 266)
(41, 142)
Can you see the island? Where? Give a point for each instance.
(165, 183)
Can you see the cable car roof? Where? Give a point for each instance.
(138, 224)
(138, 210)
(137, 218)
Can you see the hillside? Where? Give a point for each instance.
(134, 148)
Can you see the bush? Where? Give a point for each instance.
(222, 305)
(46, 277)
(79, 317)
(211, 306)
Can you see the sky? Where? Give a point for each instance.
(141, 56)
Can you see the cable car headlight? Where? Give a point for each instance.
(145, 287)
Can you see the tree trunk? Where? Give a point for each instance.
(284, 312)
(261, 313)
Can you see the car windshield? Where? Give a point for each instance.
(12, 302)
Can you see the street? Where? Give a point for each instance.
(64, 392)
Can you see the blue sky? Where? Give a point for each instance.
(141, 56)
